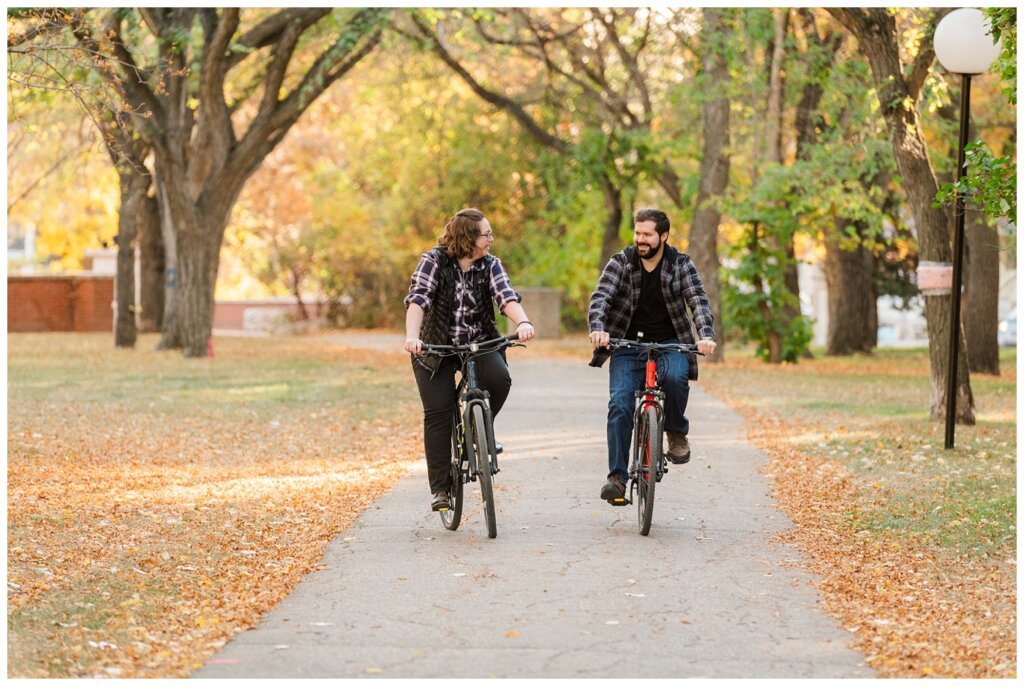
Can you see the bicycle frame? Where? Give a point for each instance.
(472, 415)
(650, 396)
(470, 394)
(647, 458)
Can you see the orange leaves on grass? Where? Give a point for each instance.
(141, 541)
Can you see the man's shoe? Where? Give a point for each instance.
(440, 502)
(678, 448)
(613, 489)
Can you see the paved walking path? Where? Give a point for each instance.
(568, 588)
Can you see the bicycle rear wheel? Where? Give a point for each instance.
(478, 436)
(453, 516)
(647, 459)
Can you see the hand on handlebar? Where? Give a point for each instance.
(599, 339)
(706, 346)
(414, 346)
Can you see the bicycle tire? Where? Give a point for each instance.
(647, 459)
(453, 516)
(478, 432)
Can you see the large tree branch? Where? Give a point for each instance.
(629, 61)
(925, 55)
(588, 90)
(278, 67)
(212, 71)
(154, 19)
(268, 31)
(126, 78)
(501, 101)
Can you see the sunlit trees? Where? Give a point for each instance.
(212, 93)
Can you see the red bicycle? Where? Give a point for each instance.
(647, 460)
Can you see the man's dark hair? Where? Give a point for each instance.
(649, 214)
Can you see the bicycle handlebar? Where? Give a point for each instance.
(615, 343)
(480, 347)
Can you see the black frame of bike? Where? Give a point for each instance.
(471, 396)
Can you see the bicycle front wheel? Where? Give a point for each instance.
(478, 436)
(453, 516)
(647, 460)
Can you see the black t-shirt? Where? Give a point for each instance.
(651, 315)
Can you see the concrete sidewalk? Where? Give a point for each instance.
(569, 588)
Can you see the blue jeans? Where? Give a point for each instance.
(626, 376)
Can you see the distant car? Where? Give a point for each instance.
(1007, 335)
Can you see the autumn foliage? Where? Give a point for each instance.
(157, 507)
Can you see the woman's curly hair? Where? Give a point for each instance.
(461, 233)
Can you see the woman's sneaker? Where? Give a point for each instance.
(440, 502)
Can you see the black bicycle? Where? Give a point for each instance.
(647, 460)
(474, 452)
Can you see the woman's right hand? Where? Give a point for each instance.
(414, 346)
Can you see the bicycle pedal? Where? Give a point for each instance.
(619, 502)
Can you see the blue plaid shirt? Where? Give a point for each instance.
(618, 293)
(466, 326)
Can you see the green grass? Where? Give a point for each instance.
(86, 370)
(870, 414)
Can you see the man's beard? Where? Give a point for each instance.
(651, 252)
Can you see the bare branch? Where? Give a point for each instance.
(501, 101)
(925, 56)
(268, 31)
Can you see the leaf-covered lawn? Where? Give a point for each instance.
(157, 505)
(916, 545)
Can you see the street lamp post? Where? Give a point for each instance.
(964, 46)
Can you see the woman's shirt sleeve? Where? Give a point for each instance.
(501, 287)
(424, 283)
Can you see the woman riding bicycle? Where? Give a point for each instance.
(450, 300)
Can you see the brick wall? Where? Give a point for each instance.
(60, 303)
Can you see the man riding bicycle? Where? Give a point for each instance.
(643, 294)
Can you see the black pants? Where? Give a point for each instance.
(438, 396)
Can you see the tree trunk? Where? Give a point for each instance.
(981, 294)
(152, 267)
(714, 173)
(777, 89)
(851, 294)
(197, 261)
(171, 330)
(610, 243)
(773, 338)
(981, 289)
(297, 292)
(134, 187)
(875, 30)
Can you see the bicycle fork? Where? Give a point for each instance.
(474, 395)
(481, 398)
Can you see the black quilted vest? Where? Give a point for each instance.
(439, 319)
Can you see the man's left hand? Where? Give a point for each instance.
(707, 346)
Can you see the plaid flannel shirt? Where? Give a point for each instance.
(466, 326)
(618, 294)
